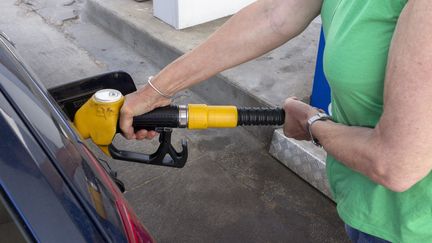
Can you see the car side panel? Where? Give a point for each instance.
(46, 205)
(51, 129)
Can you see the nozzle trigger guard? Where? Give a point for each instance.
(165, 155)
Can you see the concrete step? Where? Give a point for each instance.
(286, 71)
(267, 81)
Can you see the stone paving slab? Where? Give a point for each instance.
(231, 190)
(59, 61)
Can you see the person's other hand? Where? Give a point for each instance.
(296, 115)
(138, 103)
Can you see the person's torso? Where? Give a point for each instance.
(358, 34)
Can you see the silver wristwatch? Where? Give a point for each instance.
(317, 117)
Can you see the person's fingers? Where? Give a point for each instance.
(141, 134)
(126, 120)
(151, 134)
(137, 103)
(144, 134)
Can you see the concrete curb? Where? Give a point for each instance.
(214, 90)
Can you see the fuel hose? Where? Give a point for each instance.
(201, 116)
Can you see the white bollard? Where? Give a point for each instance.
(186, 13)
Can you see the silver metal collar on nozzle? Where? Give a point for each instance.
(183, 116)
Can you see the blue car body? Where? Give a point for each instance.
(48, 177)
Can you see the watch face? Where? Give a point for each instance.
(322, 115)
(314, 118)
(318, 117)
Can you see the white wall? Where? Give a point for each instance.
(185, 13)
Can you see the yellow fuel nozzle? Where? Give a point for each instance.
(97, 118)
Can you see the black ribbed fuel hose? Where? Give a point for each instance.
(260, 116)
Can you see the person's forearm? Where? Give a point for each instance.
(367, 151)
(255, 30)
(355, 146)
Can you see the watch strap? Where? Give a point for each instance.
(317, 117)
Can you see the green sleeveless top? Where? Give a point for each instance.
(358, 35)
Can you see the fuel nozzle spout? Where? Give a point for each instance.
(97, 118)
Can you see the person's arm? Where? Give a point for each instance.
(397, 153)
(255, 30)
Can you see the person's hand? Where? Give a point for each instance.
(296, 115)
(138, 103)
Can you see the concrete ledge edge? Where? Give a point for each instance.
(215, 90)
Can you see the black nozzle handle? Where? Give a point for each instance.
(252, 116)
(167, 116)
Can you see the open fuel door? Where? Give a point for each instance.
(70, 97)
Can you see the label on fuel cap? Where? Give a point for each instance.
(107, 95)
